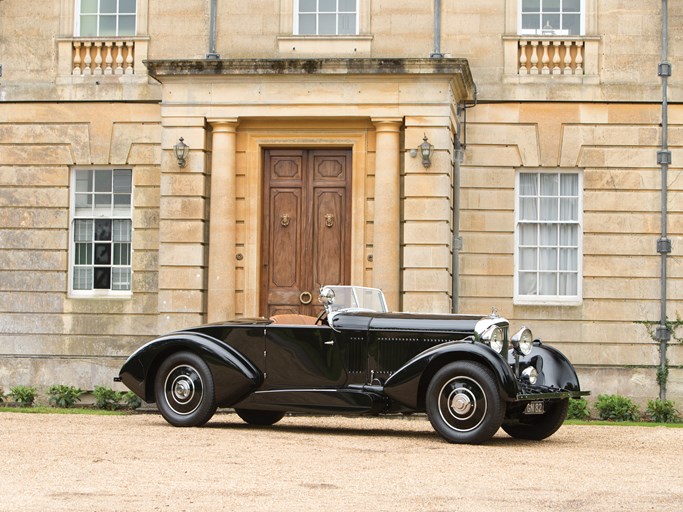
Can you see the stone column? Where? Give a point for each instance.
(387, 224)
(222, 222)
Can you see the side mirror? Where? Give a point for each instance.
(326, 296)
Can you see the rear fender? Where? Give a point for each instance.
(234, 375)
(408, 385)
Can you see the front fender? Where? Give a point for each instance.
(408, 384)
(233, 374)
(555, 370)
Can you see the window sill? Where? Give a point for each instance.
(325, 45)
(547, 301)
(103, 295)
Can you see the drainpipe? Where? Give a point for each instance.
(663, 334)
(459, 147)
(436, 54)
(212, 33)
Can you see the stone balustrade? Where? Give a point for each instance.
(540, 56)
(98, 57)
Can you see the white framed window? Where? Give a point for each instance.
(326, 17)
(548, 237)
(100, 255)
(105, 18)
(552, 17)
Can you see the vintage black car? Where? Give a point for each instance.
(465, 372)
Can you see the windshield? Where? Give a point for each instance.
(352, 297)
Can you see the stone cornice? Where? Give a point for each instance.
(457, 69)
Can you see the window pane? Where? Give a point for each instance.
(572, 23)
(569, 209)
(88, 26)
(120, 279)
(569, 235)
(103, 229)
(127, 6)
(528, 209)
(527, 283)
(548, 234)
(83, 230)
(103, 254)
(569, 184)
(527, 234)
(102, 181)
(528, 259)
(347, 24)
(569, 259)
(327, 24)
(547, 259)
(108, 6)
(83, 254)
(551, 5)
(103, 204)
(528, 184)
(551, 22)
(306, 24)
(568, 284)
(307, 5)
(102, 278)
(83, 278)
(548, 284)
(126, 26)
(571, 6)
(122, 230)
(347, 6)
(88, 6)
(122, 180)
(548, 208)
(107, 25)
(531, 21)
(549, 184)
(121, 254)
(83, 204)
(327, 5)
(531, 5)
(83, 181)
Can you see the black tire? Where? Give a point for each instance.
(463, 403)
(537, 427)
(260, 417)
(184, 390)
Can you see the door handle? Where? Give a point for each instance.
(305, 298)
(331, 342)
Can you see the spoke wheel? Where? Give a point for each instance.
(463, 403)
(254, 417)
(537, 427)
(185, 391)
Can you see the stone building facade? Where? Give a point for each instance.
(551, 215)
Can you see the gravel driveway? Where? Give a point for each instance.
(139, 462)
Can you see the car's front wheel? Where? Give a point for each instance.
(184, 390)
(254, 417)
(537, 427)
(463, 403)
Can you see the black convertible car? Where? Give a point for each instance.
(465, 372)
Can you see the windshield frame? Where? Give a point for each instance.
(353, 298)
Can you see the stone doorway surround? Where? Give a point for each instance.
(229, 110)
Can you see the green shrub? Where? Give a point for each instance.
(617, 408)
(2, 395)
(106, 398)
(131, 400)
(64, 396)
(24, 395)
(662, 411)
(578, 409)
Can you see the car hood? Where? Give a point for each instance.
(405, 321)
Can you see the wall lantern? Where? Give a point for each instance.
(426, 150)
(181, 149)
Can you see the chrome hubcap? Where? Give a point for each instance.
(183, 389)
(462, 403)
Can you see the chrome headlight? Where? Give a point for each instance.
(523, 341)
(530, 375)
(494, 337)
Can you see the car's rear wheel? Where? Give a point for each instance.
(463, 403)
(184, 390)
(260, 417)
(540, 426)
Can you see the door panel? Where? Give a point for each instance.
(307, 210)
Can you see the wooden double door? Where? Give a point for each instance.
(307, 227)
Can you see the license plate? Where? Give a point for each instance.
(534, 408)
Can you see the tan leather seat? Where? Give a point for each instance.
(293, 319)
